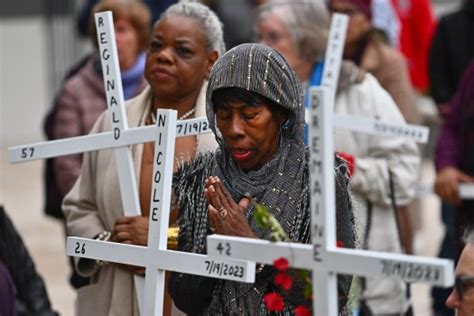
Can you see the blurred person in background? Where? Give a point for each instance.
(237, 18)
(22, 289)
(7, 292)
(385, 19)
(451, 52)
(455, 154)
(156, 7)
(299, 31)
(368, 48)
(417, 26)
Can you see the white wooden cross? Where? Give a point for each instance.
(323, 258)
(155, 257)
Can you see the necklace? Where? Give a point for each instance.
(182, 117)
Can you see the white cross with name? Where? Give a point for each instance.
(155, 257)
(323, 258)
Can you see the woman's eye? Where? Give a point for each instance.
(222, 115)
(249, 116)
(155, 45)
(183, 51)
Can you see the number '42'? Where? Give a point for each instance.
(225, 249)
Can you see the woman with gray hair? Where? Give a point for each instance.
(254, 108)
(374, 161)
(185, 43)
(304, 24)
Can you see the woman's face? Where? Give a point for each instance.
(127, 43)
(272, 32)
(359, 23)
(250, 132)
(464, 304)
(177, 60)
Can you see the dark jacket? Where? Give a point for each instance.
(451, 52)
(7, 292)
(456, 146)
(456, 141)
(31, 297)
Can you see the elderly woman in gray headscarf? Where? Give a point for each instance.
(254, 107)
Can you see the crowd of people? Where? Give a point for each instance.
(255, 95)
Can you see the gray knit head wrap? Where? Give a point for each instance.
(261, 69)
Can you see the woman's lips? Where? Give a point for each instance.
(161, 73)
(241, 154)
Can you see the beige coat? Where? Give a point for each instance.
(374, 156)
(94, 204)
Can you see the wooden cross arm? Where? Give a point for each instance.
(362, 262)
(439, 272)
(417, 133)
(197, 264)
(92, 142)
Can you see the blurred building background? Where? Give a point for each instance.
(38, 44)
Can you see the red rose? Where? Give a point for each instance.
(281, 264)
(273, 302)
(284, 281)
(350, 161)
(339, 244)
(301, 311)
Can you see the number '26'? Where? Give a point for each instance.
(79, 249)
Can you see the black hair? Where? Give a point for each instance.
(225, 95)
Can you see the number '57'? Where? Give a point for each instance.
(25, 154)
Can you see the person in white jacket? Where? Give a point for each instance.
(299, 31)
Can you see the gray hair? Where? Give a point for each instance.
(306, 21)
(468, 236)
(212, 25)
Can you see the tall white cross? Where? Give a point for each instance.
(155, 257)
(323, 258)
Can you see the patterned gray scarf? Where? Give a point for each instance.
(279, 183)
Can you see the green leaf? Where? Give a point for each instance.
(261, 216)
(308, 291)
